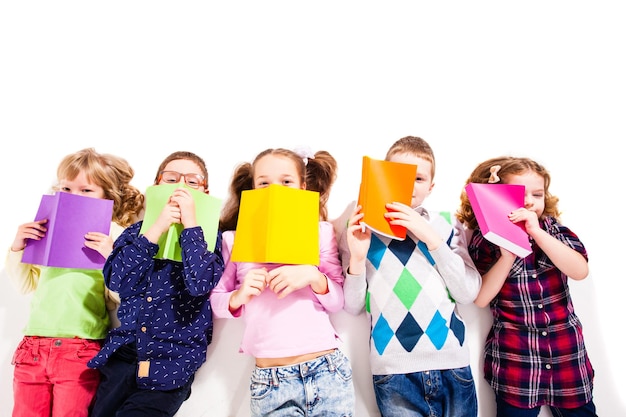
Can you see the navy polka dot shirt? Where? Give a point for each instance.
(164, 308)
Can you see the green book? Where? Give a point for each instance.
(207, 214)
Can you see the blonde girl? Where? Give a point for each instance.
(68, 316)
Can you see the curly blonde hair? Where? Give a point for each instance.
(509, 165)
(113, 174)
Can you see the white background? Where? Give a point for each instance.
(476, 79)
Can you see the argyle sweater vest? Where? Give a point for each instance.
(415, 323)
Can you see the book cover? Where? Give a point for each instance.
(278, 224)
(70, 217)
(207, 215)
(492, 204)
(384, 182)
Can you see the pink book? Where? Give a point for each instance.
(70, 217)
(492, 204)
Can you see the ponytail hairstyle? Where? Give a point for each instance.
(497, 170)
(113, 174)
(318, 171)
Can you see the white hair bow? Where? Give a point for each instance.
(305, 153)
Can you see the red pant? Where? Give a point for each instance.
(51, 377)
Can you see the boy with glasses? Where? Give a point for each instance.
(148, 363)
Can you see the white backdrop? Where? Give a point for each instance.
(476, 79)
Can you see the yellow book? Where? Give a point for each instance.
(384, 182)
(207, 215)
(278, 224)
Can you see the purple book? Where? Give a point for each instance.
(70, 217)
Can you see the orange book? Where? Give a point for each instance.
(384, 182)
(278, 224)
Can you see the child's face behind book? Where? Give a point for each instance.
(423, 184)
(184, 171)
(535, 197)
(81, 185)
(274, 169)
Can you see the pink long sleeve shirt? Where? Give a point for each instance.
(291, 326)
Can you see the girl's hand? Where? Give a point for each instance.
(253, 284)
(288, 278)
(184, 200)
(527, 217)
(99, 242)
(31, 230)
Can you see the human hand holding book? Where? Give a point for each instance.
(163, 211)
(382, 183)
(69, 219)
(492, 204)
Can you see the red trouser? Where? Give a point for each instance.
(51, 377)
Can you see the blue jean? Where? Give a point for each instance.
(320, 387)
(507, 410)
(118, 394)
(445, 393)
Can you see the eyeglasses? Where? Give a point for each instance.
(172, 177)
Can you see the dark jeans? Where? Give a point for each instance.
(446, 393)
(119, 396)
(507, 410)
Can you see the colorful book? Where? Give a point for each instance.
(207, 215)
(70, 218)
(492, 204)
(384, 182)
(278, 224)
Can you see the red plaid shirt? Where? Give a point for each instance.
(535, 354)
